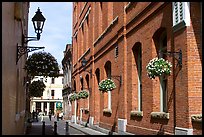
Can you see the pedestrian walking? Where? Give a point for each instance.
(33, 114)
(57, 116)
(50, 115)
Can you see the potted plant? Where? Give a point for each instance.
(73, 97)
(83, 94)
(107, 85)
(157, 67)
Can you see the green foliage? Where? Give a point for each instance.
(107, 85)
(42, 64)
(157, 67)
(83, 94)
(36, 88)
(73, 96)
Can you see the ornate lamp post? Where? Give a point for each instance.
(38, 23)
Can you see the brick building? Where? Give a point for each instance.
(118, 39)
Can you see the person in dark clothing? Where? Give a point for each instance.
(50, 115)
(33, 114)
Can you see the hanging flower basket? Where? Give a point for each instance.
(106, 85)
(83, 94)
(73, 97)
(157, 67)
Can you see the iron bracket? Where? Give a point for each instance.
(21, 50)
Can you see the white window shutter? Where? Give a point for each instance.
(181, 12)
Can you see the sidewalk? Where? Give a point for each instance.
(85, 130)
(73, 129)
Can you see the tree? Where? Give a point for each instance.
(42, 64)
(36, 88)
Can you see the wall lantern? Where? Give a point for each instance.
(38, 23)
(83, 63)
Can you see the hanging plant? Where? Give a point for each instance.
(157, 67)
(36, 88)
(83, 94)
(73, 97)
(42, 64)
(106, 85)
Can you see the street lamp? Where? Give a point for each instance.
(38, 23)
(83, 63)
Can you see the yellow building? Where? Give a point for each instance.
(14, 27)
(52, 95)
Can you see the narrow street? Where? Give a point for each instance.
(61, 127)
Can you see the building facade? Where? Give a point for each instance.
(67, 86)
(118, 39)
(52, 95)
(14, 27)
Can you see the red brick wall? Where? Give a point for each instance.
(138, 23)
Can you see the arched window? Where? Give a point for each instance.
(137, 75)
(108, 75)
(97, 72)
(82, 83)
(160, 40)
(74, 86)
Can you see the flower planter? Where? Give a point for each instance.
(157, 67)
(73, 97)
(83, 94)
(160, 115)
(106, 85)
(196, 118)
(136, 113)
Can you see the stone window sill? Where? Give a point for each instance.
(135, 113)
(160, 115)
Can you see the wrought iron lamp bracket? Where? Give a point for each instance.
(176, 55)
(26, 40)
(119, 78)
(21, 50)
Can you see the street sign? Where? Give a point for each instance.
(58, 104)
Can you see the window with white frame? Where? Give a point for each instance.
(87, 82)
(181, 13)
(108, 73)
(139, 68)
(163, 79)
(137, 76)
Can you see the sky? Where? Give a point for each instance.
(57, 30)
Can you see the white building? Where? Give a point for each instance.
(52, 95)
(67, 86)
